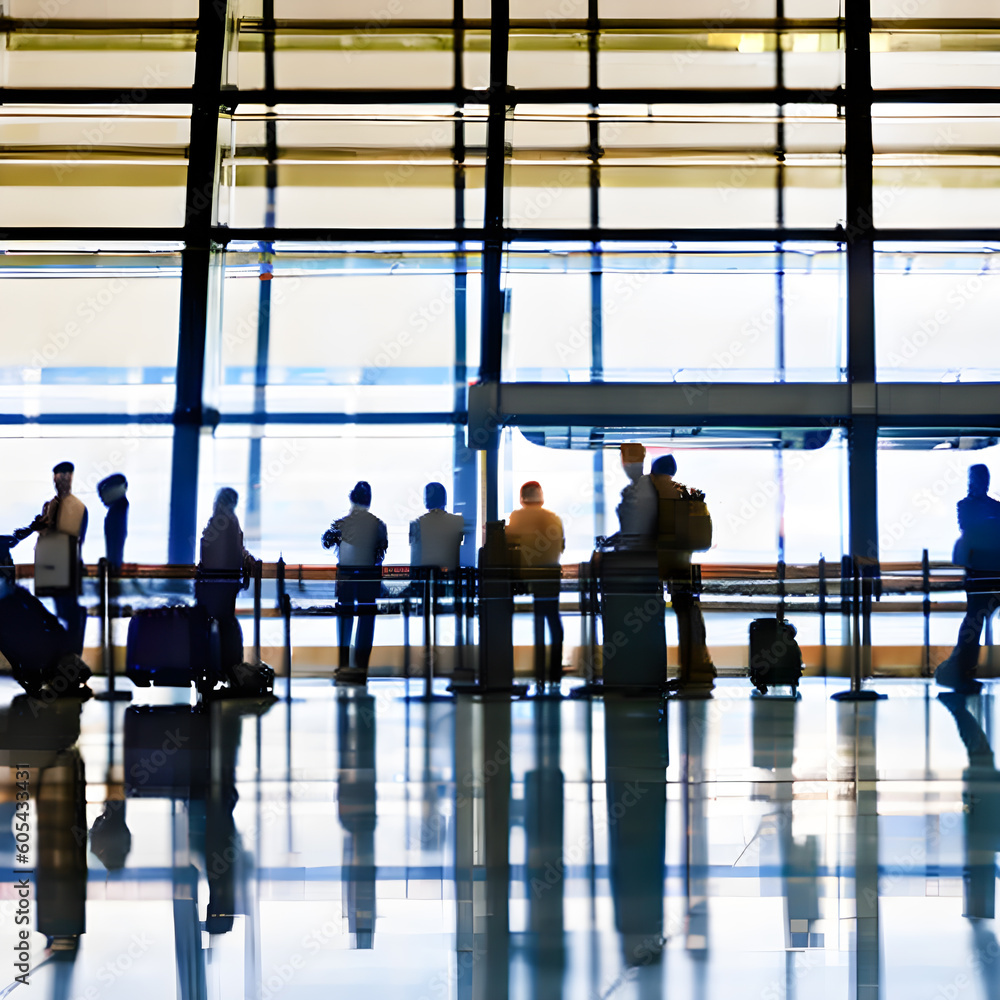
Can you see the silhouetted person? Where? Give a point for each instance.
(356, 810)
(64, 514)
(978, 550)
(635, 754)
(538, 535)
(637, 512)
(361, 540)
(45, 735)
(675, 542)
(436, 537)
(435, 544)
(544, 860)
(223, 571)
(111, 490)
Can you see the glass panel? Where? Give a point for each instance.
(349, 333)
(552, 59)
(355, 59)
(759, 495)
(917, 493)
(113, 166)
(937, 165)
(40, 56)
(735, 58)
(300, 466)
(372, 15)
(935, 58)
(141, 451)
(76, 349)
(349, 167)
(952, 10)
(703, 166)
(104, 10)
(555, 10)
(935, 316)
(476, 58)
(720, 11)
(695, 314)
(668, 59)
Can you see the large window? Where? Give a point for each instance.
(672, 196)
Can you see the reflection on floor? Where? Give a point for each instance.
(541, 849)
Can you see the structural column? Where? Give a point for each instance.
(202, 186)
(860, 286)
(491, 334)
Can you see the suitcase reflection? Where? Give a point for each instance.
(179, 752)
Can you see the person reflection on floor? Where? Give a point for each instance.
(981, 799)
(199, 777)
(356, 810)
(794, 862)
(978, 550)
(44, 736)
(546, 872)
(636, 760)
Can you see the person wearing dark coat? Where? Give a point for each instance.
(223, 571)
(978, 550)
(112, 493)
(361, 540)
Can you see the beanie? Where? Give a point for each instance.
(361, 494)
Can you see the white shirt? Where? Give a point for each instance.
(639, 510)
(436, 538)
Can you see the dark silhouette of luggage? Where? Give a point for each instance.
(36, 645)
(169, 647)
(775, 657)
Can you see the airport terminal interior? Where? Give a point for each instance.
(312, 311)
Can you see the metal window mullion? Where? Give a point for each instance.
(491, 333)
(200, 198)
(464, 472)
(252, 526)
(863, 434)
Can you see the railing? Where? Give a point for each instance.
(286, 591)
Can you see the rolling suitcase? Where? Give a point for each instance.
(168, 647)
(775, 657)
(35, 643)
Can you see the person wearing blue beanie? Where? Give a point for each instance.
(665, 465)
(361, 540)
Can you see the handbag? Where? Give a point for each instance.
(55, 564)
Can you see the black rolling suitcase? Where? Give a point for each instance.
(775, 657)
(36, 645)
(168, 647)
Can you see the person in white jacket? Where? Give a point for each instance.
(361, 540)
(436, 537)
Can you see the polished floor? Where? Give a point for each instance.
(358, 844)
